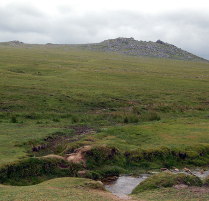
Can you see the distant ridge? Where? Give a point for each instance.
(127, 46)
(132, 47)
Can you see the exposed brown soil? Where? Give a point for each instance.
(78, 156)
(51, 142)
(82, 172)
(201, 190)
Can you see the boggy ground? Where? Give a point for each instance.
(80, 189)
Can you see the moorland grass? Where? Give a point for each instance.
(168, 186)
(67, 188)
(42, 79)
(143, 107)
(167, 179)
(174, 194)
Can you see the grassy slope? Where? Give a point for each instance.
(46, 80)
(172, 194)
(77, 189)
(168, 186)
(45, 83)
(48, 89)
(57, 189)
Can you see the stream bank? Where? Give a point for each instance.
(123, 185)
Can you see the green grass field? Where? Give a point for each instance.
(139, 105)
(56, 189)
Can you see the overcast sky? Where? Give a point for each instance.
(183, 23)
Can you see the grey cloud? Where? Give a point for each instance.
(186, 29)
(17, 18)
(23, 9)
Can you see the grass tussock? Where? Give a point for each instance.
(35, 170)
(163, 180)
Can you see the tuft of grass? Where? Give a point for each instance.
(164, 180)
(14, 119)
(100, 156)
(206, 181)
(56, 120)
(152, 116)
(75, 119)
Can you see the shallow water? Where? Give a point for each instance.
(197, 173)
(124, 184)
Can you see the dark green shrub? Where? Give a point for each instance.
(56, 120)
(111, 171)
(152, 116)
(74, 119)
(206, 181)
(92, 175)
(32, 116)
(136, 110)
(99, 156)
(126, 120)
(59, 149)
(131, 119)
(14, 119)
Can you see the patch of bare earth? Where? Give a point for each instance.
(4, 186)
(192, 193)
(180, 186)
(201, 190)
(78, 156)
(56, 140)
(194, 189)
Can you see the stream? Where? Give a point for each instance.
(124, 185)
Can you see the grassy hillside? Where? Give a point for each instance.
(61, 80)
(134, 112)
(57, 189)
(60, 85)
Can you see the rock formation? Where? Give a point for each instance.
(132, 47)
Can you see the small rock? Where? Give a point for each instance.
(164, 169)
(186, 170)
(100, 182)
(180, 186)
(176, 169)
(189, 171)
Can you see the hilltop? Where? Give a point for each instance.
(126, 47)
(132, 47)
